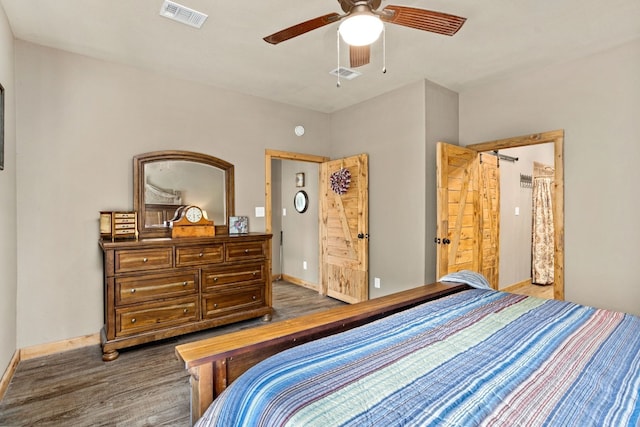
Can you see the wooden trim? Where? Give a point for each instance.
(557, 138)
(8, 373)
(215, 362)
(518, 141)
(58, 347)
(516, 286)
(300, 282)
(283, 155)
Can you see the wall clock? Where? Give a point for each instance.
(189, 221)
(301, 201)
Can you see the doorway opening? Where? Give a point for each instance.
(557, 139)
(273, 185)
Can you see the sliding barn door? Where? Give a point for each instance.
(344, 224)
(458, 232)
(489, 187)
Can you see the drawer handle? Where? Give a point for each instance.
(254, 297)
(215, 279)
(215, 305)
(186, 310)
(184, 283)
(133, 320)
(133, 291)
(200, 254)
(145, 259)
(254, 273)
(246, 251)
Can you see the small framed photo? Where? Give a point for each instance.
(238, 224)
(300, 179)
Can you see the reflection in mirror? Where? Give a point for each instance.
(172, 183)
(166, 180)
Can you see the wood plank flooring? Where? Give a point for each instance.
(145, 386)
(539, 291)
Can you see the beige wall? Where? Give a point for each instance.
(80, 123)
(300, 230)
(398, 131)
(8, 243)
(597, 101)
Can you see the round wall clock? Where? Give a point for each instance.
(301, 201)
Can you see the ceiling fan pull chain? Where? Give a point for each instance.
(384, 51)
(338, 49)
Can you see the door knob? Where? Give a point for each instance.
(436, 240)
(446, 241)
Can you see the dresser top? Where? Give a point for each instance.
(107, 244)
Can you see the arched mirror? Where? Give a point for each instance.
(165, 180)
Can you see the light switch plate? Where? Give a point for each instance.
(259, 211)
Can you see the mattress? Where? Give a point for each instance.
(479, 357)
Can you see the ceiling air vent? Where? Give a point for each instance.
(183, 14)
(345, 73)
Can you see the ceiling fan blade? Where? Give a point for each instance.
(426, 20)
(359, 55)
(301, 28)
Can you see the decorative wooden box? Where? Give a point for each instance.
(118, 225)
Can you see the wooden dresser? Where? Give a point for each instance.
(160, 288)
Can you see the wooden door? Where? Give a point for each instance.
(458, 235)
(489, 187)
(344, 228)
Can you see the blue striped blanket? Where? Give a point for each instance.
(476, 358)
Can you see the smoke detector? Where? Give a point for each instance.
(182, 14)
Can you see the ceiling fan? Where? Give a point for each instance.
(367, 12)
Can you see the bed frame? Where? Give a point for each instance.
(214, 363)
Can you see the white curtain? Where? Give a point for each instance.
(542, 251)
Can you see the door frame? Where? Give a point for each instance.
(557, 138)
(270, 155)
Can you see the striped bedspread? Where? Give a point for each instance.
(476, 358)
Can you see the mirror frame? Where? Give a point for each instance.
(141, 160)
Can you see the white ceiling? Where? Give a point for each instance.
(500, 37)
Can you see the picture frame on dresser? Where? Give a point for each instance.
(238, 225)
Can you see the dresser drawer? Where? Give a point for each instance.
(143, 259)
(236, 275)
(244, 251)
(198, 255)
(229, 300)
(149, 287)
(156, 316)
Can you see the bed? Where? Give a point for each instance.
(472, 357)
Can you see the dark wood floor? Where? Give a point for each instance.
(145, 386)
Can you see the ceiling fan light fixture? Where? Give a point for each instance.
(361, 29)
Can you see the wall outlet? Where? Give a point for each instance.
(284, 211)
(304, 265)
(376, 282)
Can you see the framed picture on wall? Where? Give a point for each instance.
(300, 179)
(238, 224)
(1, 127)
